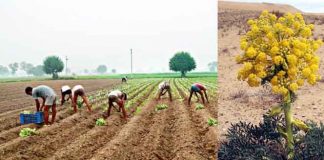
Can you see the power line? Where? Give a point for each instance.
(131, 53)
(66, 61)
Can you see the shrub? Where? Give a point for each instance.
(312, 145)
(248, 141)
(264, 141)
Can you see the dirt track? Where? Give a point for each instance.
(179, 132)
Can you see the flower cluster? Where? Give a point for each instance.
(280, 51)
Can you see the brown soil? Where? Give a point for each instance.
(13, 97)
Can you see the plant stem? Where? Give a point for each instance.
(289, 132)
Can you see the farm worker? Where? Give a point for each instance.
(119, 98)
(124, 79)
(65, 90)
(165, 87)
(201, 89)
(77, 91)
(49, 100)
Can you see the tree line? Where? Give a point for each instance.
(51, 65)
(181, 62)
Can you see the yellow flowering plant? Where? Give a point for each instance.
(280, 51)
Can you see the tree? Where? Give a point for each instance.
(27, 67)
(4, 70)
(102, 69)
(53, 65)
(212, 66)
(114, 71)
(182, 62)
(37, 71)
(14, 67)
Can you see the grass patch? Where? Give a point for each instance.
(110, 76)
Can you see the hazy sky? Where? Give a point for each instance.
(103, 31)
(314, 6)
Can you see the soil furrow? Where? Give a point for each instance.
(50, 138)
(101, 135)
(126, 138)
(207, 136)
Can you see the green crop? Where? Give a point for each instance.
(25, 132)
(26, 112)
(161, 107)
(79, 103)
(138, 110)
(212, 122)
(100, 122)
(199, 106)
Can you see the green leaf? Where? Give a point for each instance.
(281, 130)
(212, 122)
(300, 124)
(275, 110)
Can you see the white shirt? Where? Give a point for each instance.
(162, 84)
(77, 87)
(65, 88)
(116, 93)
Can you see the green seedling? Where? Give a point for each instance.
(100, 122)
(161, 107)
(26, 132)
(199, 106)
(138, 110)
(212, 122)
(79, 104)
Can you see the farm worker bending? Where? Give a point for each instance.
(124, 79)
(119, 98)
(65, 90)
(49, 100)
(165, 87)
(201, 89)
(77, 91)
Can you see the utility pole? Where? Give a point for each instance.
(66, 60)
(131, 53)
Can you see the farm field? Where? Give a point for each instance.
(177, 132)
